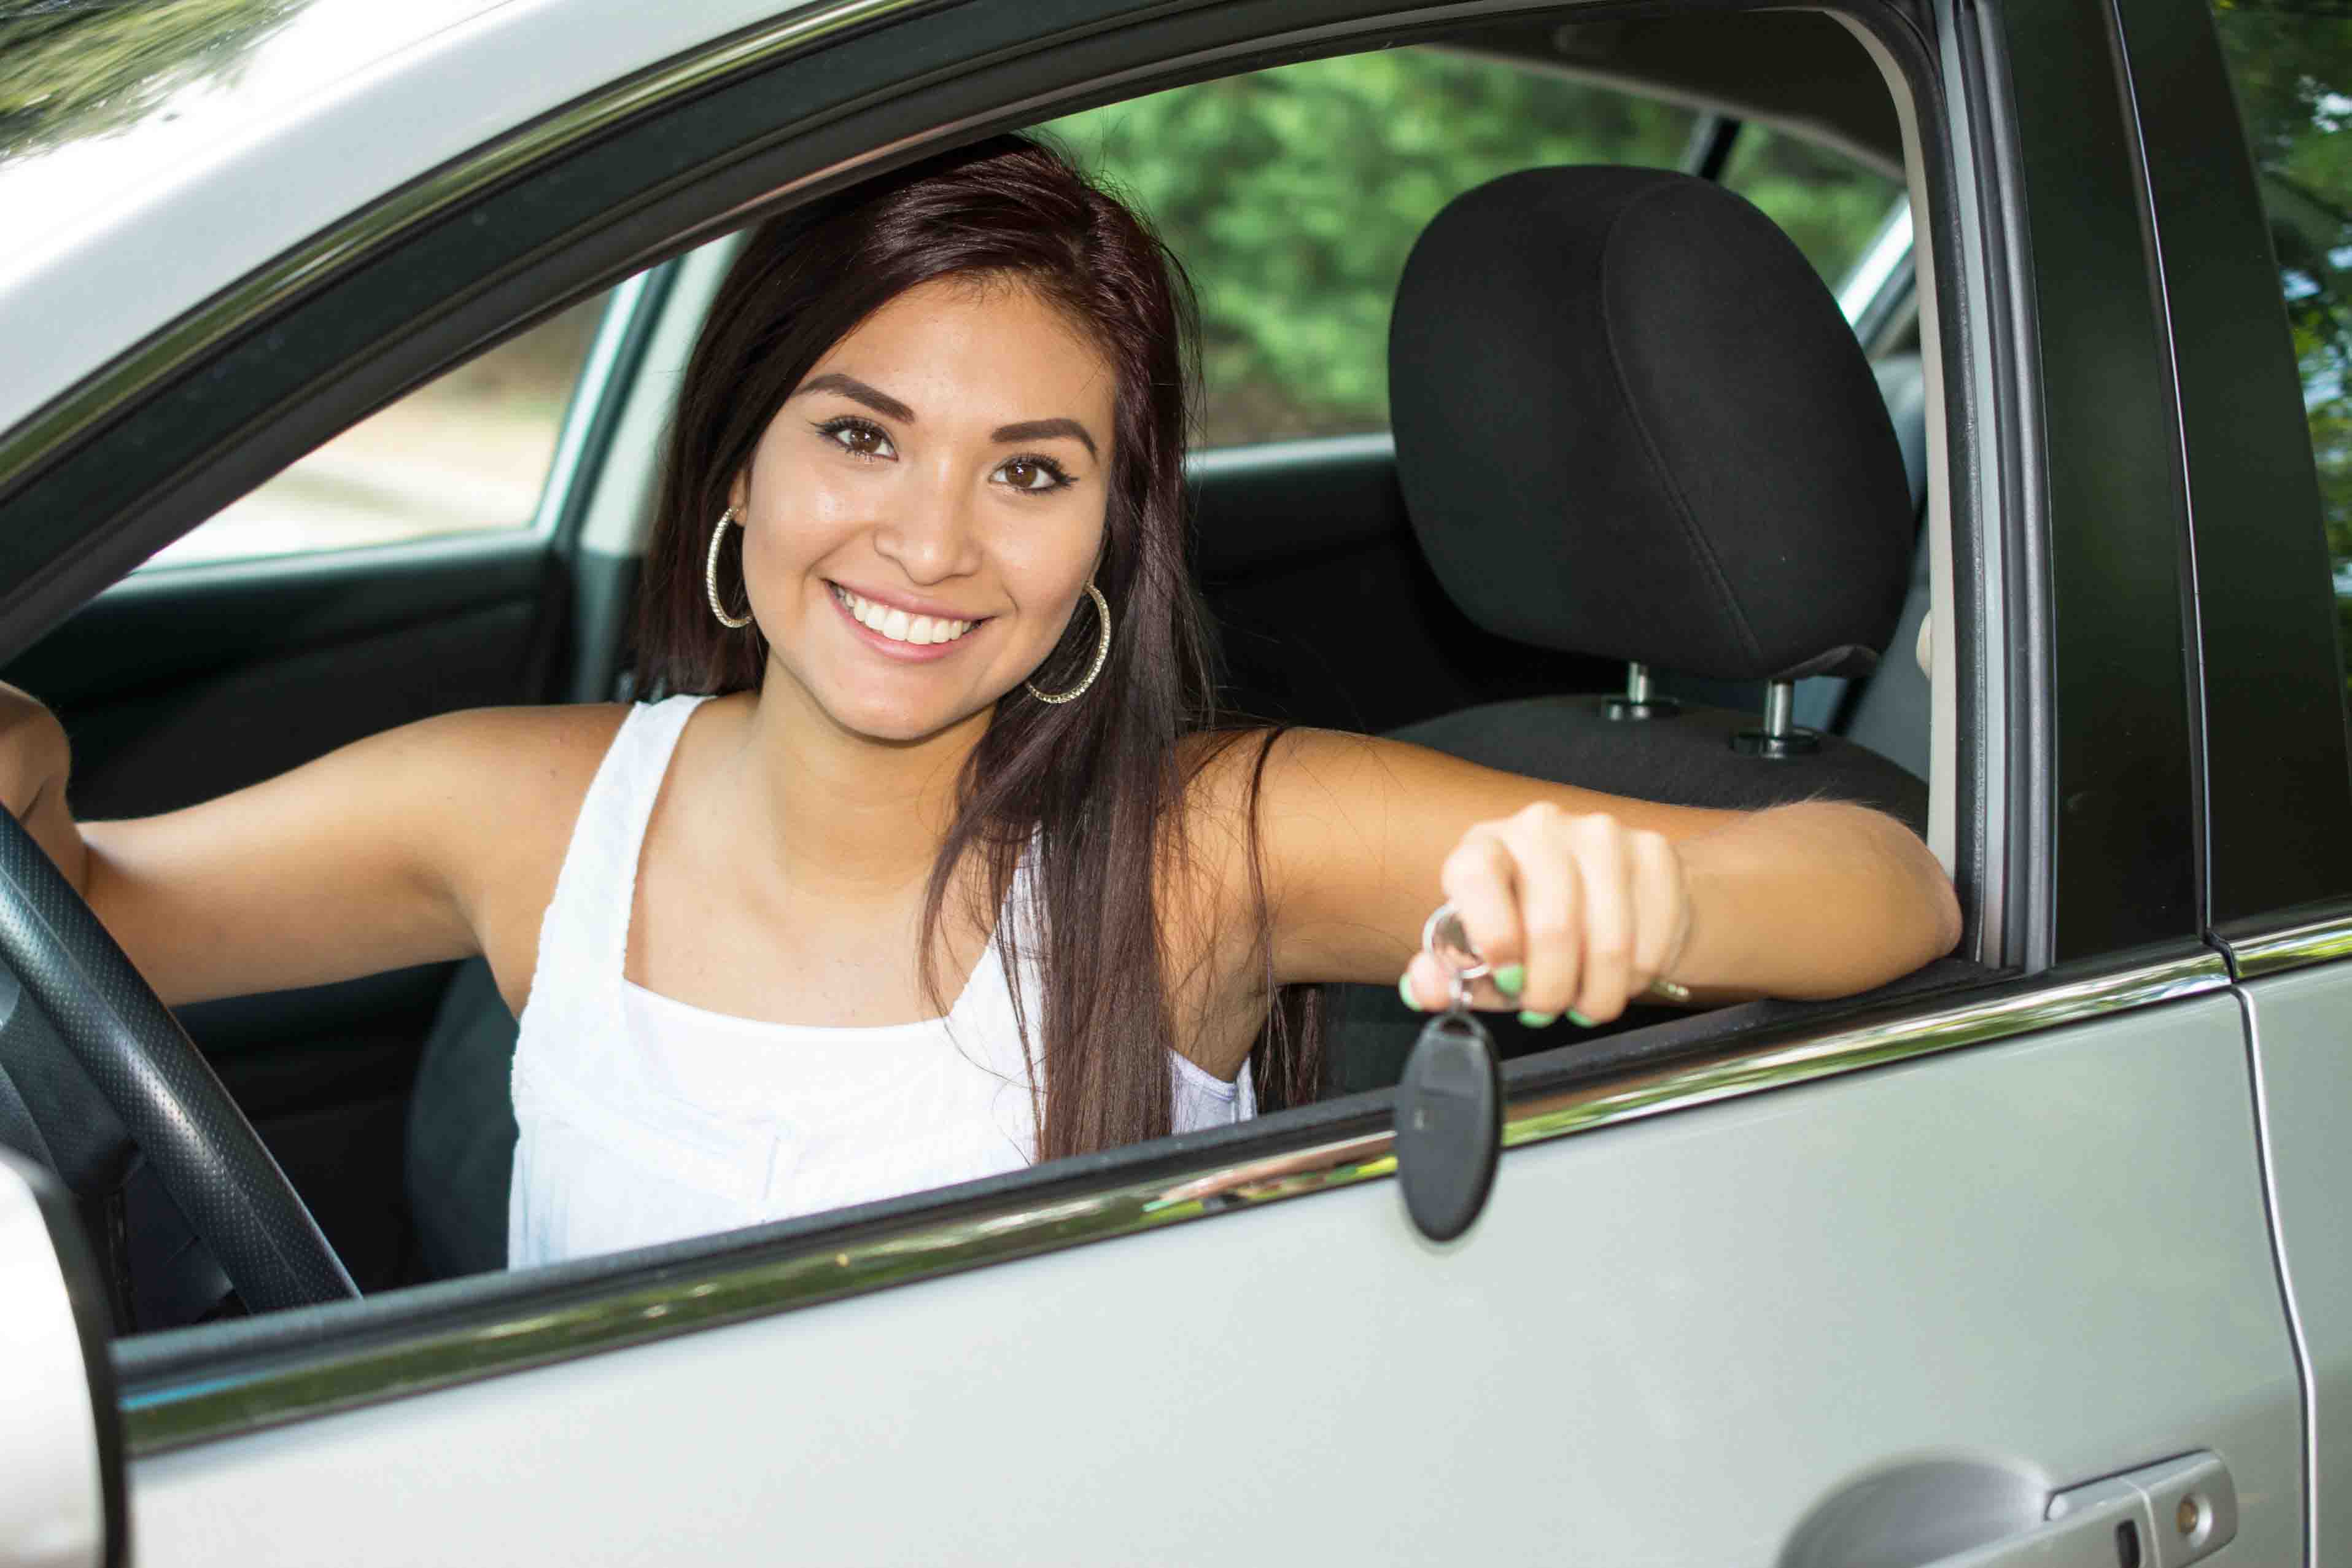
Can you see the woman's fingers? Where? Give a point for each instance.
(1578, 915)
(1606, 867)
(1553, 913)
(1481, 879)
(1424, 987)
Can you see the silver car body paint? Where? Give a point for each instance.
(1667, 1342)
(52, 1500)
(2301, 1025)
(347, 101)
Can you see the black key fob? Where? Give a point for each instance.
(1449, 1127)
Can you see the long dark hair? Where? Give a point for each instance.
(1097, 783)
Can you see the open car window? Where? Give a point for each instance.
(1293, 195)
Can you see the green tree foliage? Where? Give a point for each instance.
(1831, 206)
(1293, 196)
(2291, 65)
(84, 69)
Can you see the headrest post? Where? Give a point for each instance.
(1640, 701)
(1782, 736)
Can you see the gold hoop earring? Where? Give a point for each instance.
(711, 573)
(1102, 652)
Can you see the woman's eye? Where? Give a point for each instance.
(1035, 475)
(858, 437)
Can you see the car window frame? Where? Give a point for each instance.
(202, 1384)
(2278, 844)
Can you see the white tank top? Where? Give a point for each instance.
(643, 1119)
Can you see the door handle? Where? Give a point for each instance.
(2163, 1516)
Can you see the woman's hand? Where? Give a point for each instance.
(34, 760)
(1575, 914)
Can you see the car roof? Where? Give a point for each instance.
(170, 164)
(229, 144)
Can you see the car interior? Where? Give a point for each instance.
(1657, 528)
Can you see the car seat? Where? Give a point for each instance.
(1631, 422)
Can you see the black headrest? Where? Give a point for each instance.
(1631, 421)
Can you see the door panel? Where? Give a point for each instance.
(1670, 1342)
(2302, 1026)
(182, 685)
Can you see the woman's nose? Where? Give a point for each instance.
(929, 529)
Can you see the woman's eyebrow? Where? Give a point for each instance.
(1039, 430)
(881, 401)
(851, 387)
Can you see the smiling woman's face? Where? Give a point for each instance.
(921, 516)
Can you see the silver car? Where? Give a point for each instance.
(338, 338)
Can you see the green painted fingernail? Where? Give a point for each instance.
(1510, 977)
(1537, 1020)
(1579, 1019)
(1404, 991)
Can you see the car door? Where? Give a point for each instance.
(1863, 1282)
(2253, 253)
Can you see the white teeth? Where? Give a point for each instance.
(900, 626)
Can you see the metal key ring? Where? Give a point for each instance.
(1444, 939)
(1444, 924)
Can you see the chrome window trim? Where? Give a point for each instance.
(748, 1282)
(340, 246)
(2295, 940)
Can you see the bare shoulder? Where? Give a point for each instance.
(1240, 788)
(507, 773)
(514, 780)
(1225, 772)
(548, 755)
(1269, 777)
(553, 740)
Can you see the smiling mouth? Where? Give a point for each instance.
(897, 625)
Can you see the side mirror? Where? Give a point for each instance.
(61, 1503)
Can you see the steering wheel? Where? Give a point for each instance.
(138, 1059)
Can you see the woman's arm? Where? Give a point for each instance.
(400, 848)
(1591, 896)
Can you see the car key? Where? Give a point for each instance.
(1449, 1126)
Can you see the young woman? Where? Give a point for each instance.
(926, 869)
